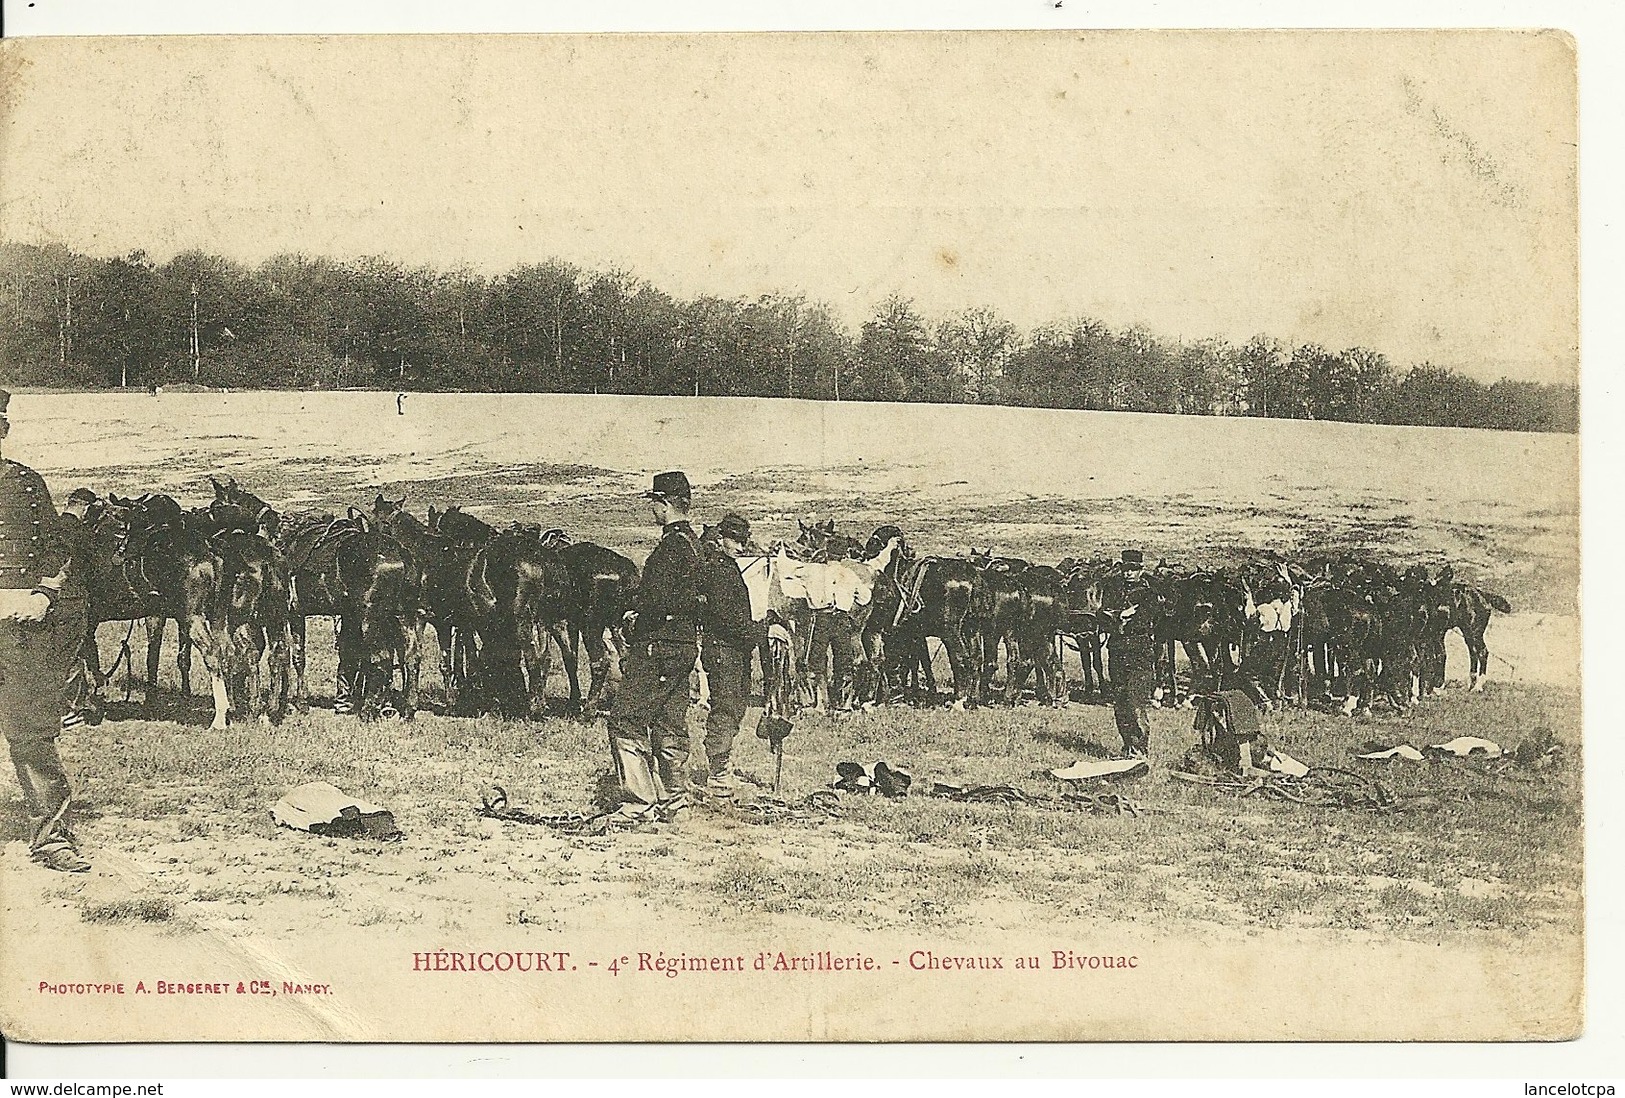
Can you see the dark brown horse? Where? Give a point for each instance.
(1470, 610)
(935, 597)
(253, 602)
(443, 564)
(522, 593)
(341, 567)
(603, 584)
(147, 562)
(1084, 620)
(997, 613)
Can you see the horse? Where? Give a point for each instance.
(823, 543)
(520, 593)
(146, 561)
(1043, 612)
(254, 599)
(1202, 616)
(517, 593)
(997, 613)
(443, 565)
(1083, 619)
(603, 586)
(1470, 611)
(835, 600)
(372, 583)
(935, 599)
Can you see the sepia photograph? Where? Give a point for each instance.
(886, 536)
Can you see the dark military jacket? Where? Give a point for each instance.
(33, 552)
(669, 599)
(726, 617)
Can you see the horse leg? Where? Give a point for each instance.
(183, 656)
(278, 662)
(210, 638)
(247, 643)
(1016, 663)
(560, 633)
(296, 659)
(411, 669)
(347, 696)
(155, 647)
(450, 653)
(534, 656)
(874, 643)
(925, 675)
(959, 664)
(1478, 651)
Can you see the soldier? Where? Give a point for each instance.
(42, 633)
(76, 534)
(648, 732)
(729, 636)
(1133, 649)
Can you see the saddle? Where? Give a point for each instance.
(303, 544)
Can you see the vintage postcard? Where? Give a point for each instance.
(783, 537)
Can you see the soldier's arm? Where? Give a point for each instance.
(653, 592)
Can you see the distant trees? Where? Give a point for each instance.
(312, 322)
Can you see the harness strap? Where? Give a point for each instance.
(909, 600)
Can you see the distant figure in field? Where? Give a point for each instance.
(400, 404)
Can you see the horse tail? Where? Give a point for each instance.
(388, 604)
(1497, 602)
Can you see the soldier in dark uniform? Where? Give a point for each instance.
(76, 535)
(728, 638)
(648, 733)
(1133, 649)
(42, 631)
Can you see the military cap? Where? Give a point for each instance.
(1133, 558)
(673, 485)
(82, 495)
(734, 528)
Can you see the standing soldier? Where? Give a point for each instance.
(648, 732)
(729, 636)
(76, 536)
(1133, 649)
(42, 631)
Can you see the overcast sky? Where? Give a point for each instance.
(1407, 191)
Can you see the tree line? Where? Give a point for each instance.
(300, 322)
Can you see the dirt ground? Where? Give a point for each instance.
(1470, 908)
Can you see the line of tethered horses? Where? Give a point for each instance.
(855, 616)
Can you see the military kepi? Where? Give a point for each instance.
(734, 527)
(673, 485)
(1133, 557)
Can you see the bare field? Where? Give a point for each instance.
(184, 808)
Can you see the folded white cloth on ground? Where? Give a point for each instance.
(1403, 751)
(1089, 769)
(1463, 746)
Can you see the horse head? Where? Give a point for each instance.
(385, 509)
(460, 527)
(883, 534)
(235, 506)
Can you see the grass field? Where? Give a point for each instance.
(1493, 859)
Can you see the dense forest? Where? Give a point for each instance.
(300, 322)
